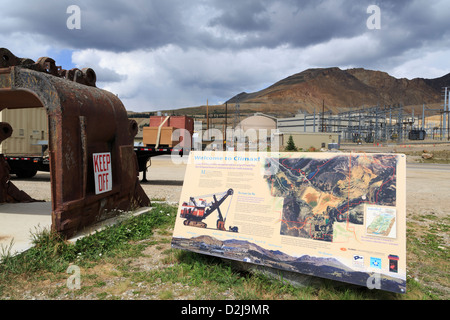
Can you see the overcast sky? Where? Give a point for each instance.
(163, 54)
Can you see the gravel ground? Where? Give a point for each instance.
(165, 179)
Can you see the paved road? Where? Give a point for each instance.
(429, 167)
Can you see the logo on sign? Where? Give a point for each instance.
(358, 261)
(393, 263)
(102, 172)
(375, 263)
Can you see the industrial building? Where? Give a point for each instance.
(324, 129)
(308, 141)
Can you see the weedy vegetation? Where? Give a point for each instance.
(134, 260)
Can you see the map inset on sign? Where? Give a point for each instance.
(321, 192)
(381, 221)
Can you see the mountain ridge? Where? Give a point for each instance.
(341, 90)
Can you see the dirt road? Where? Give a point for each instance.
(427, 189)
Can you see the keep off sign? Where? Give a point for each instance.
(102, 172)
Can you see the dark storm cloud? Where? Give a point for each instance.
(297, 23)
(142, 24)
(404, 24)
(109, 25)
(145, 50)
(410, 29)
(130, 25)
(242, 16)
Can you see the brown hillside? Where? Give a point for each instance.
(341, 90)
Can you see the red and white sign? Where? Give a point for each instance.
(102, 172)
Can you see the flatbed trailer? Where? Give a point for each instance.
(145, 153)
(27, 166)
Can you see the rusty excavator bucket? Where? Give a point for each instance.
(93, 166)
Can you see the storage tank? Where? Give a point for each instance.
(258, 122)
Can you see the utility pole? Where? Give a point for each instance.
(423, 117)
(207, 120)
(323, 115)
(314, 127)
(226, 117)
(237, 116)
(448, 114)
(207, 115)
(445, 110)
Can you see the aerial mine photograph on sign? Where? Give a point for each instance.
(254, 150)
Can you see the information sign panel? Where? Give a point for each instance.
(339, 216)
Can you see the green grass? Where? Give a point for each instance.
(107, 260)
(51, 253)
(428, 257)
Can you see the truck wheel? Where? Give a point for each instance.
(25, 173)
